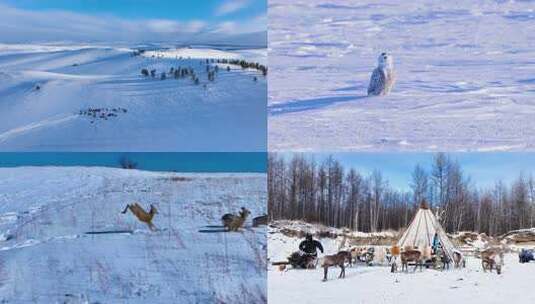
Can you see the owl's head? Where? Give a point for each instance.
(385, 61)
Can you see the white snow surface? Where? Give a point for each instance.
(46, 257)
(377, 285)
(464, 75)
(161, 115)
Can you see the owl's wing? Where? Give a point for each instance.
(377, 82)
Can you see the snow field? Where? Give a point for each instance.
(456, 90)
(44, 88)
(377, 285)
(45, 255)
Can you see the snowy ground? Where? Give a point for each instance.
(376, 284)
(465, 75)
(228, 114)
(46, 257)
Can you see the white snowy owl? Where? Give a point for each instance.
(383, 77)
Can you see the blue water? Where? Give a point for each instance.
(178, 162)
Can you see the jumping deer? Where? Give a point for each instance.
(234, 222)
(339, 260)
(141, 214)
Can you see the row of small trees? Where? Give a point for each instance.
(245, 64)
(211, 72)
(177, 73)
(302, 189)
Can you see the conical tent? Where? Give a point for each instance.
(421, 232)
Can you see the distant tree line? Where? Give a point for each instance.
(325, 192)
(245, 64)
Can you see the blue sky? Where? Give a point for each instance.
(133, 21)
(484, 169)
(208, 10)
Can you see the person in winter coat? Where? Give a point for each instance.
(309, 246)
(436, 243)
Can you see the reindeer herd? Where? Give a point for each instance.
(420, 258)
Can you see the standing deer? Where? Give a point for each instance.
(411, 255)
(459, 260)
(234, 222)
(141, 214)
(338, 259)
(492, 258)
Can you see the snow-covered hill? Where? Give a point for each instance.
(465, 75)
(47, 257)
(46, 89)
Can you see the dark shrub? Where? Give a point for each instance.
(127, 163)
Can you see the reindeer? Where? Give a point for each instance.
(339, 260)
(492, 258)
(354, 252)
(445, 259)
(349, 257)
(411, 255)
(458, 260)
(141, 214)
(234, 222)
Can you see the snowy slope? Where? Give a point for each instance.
(228, 114)
(377, 285)
(465, 75)
(46, 257)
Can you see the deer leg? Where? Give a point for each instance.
(151, 226)
(343, 271)
(325, 270)
(126, 208)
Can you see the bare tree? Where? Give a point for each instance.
(301, 189)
